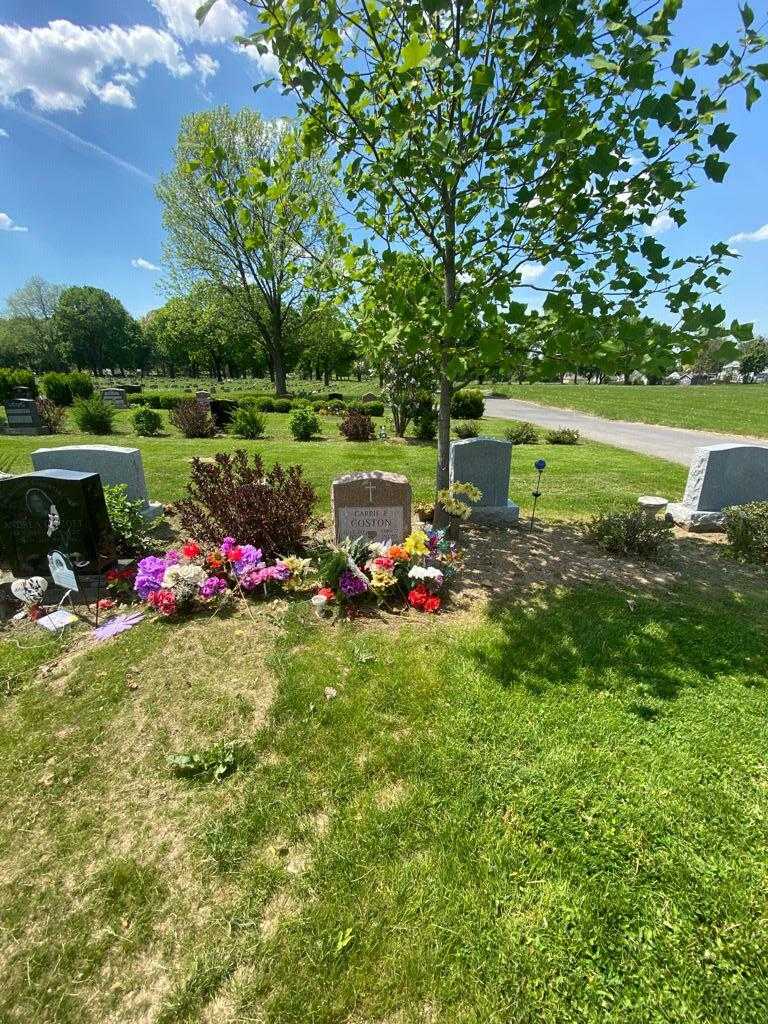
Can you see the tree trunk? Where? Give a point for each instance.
(281, 389)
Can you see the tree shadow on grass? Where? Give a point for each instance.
(650, 645)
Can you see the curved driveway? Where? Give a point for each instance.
(671, 443)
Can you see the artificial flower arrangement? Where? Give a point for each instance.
(194, 577)
(450, 499)
(359, 571)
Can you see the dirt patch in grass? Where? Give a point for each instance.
(515, 562)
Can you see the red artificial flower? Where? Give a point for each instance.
(382, 562)
(190, 549)
(432, 604)
(106, 603)
(127, 574)
(327, 593)
(163, 601)
(214, 560)
(112, 575)
(34, 612)
(235, 554)
(418, 596)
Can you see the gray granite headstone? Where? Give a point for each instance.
(721, 475)
(374, 505)
(23, 417)
(204, 399)
(115, 465)
(485, 462)
(115, 396)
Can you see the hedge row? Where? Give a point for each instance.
(12, 379)
(170, 399)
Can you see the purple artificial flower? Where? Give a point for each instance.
(149, 576)
(213, 586)
(351, 585)
(227, 544)
(252, 559)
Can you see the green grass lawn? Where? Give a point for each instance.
(578, 480)
(727, 408)
(550, 812)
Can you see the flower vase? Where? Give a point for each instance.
(453, 529)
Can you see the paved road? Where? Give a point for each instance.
(671, 443)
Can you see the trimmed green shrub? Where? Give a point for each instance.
(367, 408)
(158, 399)
(192, 419)
(304, 424)
(335, 395)
(248, 422)
(147, 422)
(129, 526)
(94, 415)
(425, 424)
(465, 430)
(631, 532)
(746, 527)
(56, 387)
(282, 404)
(12, 379)
(522, 433)
(563, 435)
(357, 426)
(468, 404)
(80, 384)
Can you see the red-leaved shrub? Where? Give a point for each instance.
(357, 426)
(230, 498)
(193, 419)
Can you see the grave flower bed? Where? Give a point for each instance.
(196, 577)
(359, 572)
(343, 578)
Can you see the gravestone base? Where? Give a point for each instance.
(495, 515)
(152, 510)
(695, 520)
(23, 431)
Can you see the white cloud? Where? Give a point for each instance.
(3, 133)
(267, 61)
(141, 264)
(6, 224)
(63, 65)
(206, 66)
(224, 22)
(661, 222)
(761, 235)
(530, 271)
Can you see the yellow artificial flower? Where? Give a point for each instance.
(416, 543)
(300, 568)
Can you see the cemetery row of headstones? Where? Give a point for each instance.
(60, 506)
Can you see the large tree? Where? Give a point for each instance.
(499, 136)
(31, 309)
(97, 330)
(204, 331)
(244, 210)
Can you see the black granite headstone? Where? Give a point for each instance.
(54, 510)
(22, 412)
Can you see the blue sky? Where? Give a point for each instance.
(91, 95)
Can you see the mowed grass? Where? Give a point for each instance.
(726, 408)
(551, 812)
(578, 479)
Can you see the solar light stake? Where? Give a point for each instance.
(539, 465)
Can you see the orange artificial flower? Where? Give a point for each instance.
(398, 553)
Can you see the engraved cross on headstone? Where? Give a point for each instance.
(370, 490)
